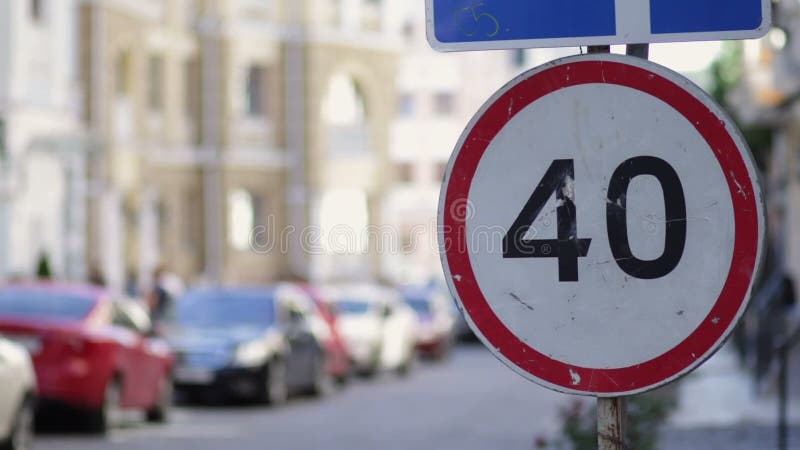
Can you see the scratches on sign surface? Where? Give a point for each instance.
(575, 377)
(520, 301)
(739, 187)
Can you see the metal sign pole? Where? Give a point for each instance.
(611, 418)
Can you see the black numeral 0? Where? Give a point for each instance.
(674, 209)
(568, 247)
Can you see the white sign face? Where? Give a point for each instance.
(457, 25)
(601, 224)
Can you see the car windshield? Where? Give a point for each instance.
(223, 309)
(352, 307)
(43, 304)
(419, 305)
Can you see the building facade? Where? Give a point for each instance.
(233, 130)
(44, 185)
(438, 93)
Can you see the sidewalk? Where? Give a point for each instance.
(719, 409)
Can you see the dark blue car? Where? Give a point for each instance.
(247, 342)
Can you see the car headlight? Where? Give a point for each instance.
(251, 354)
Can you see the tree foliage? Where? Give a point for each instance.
(726, 75)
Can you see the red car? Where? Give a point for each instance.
(338, 361)
(88, 351)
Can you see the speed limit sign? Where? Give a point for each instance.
(601, 224)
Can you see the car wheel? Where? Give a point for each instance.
(405, 368)
(371, 368)
(109, 416)
(323, 381)
(342, 379)
(21, 437)
(369, 371)
(275, 390)
(159, 413)
(444, 349)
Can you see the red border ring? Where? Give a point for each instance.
(717, 131)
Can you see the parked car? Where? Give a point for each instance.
(378, 327)
(247, 342)
(324, 324)
(436, 319)
(17, 396)
(461, 329)
(88, 351)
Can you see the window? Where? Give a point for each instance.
(129, 314)
(225, 308)
(408, 29)
(155, 96)
(407, 239)
(335, 15)
(443, 103)
(191, 87)
(192, 12)
(25, 302)
(405, 172)
(345, 103)
(255, 104)
(37, 10)
(121, 73)
(3, 149)
(441, 168)
(192, 227)
(353, 307)
(162, 217)
(405, 106)
(344, 114)
(259, 209)
(241, 218)
(343, 219)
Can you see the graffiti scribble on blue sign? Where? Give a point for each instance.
(471, 20)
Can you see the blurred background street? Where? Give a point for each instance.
(471, 402)
(218, 230)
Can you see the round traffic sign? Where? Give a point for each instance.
(601, 225)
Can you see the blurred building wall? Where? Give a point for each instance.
(189, 100)
(767, 97)
(238, 141)
(43, 147)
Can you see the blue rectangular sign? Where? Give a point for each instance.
(497, 24)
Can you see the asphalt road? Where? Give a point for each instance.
(470, 401)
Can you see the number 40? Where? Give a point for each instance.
(567, 247)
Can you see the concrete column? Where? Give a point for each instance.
(212, 183)
(111, 242)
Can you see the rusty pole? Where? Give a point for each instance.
(611, 419)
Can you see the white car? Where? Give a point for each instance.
(379, 329)
(17, 396)
(436, 317)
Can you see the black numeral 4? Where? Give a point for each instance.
(558, 179)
